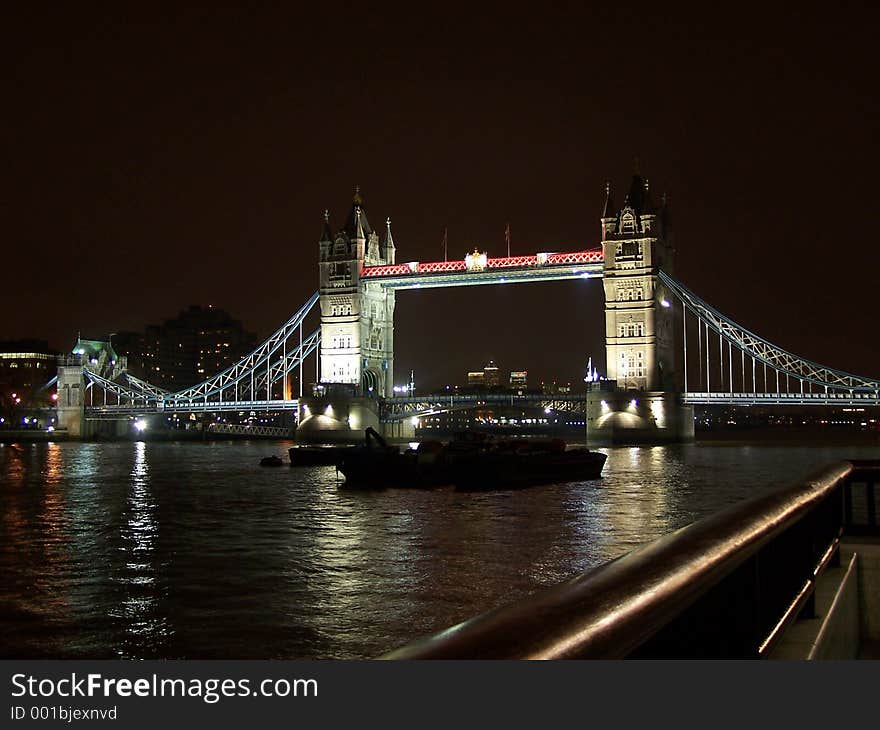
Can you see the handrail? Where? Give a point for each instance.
(620, 607)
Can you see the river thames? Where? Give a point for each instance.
(193, 551)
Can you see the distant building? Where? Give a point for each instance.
(26, 366)
(488, 377)
(519, 379)
(555, 388)
(491, 375)
(198, 343)
(131, 345)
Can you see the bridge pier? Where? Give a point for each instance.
(336, 418)
(105, 428)
(633, 417)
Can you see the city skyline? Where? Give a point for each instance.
(180, 184)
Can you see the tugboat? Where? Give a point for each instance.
(368, 466)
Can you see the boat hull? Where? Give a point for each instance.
(516, 471)
(478, 471)
(317, 455)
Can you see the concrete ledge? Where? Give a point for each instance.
(834, 633)
(869, 586)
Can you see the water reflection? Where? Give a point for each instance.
(144, 626)
(192, 551)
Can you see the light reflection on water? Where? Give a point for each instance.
(179, 550)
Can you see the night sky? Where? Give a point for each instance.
(161, 160)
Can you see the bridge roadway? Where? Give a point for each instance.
(406, 407)
(402, 407)
(141, 409)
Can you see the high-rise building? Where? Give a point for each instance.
(519, 378)
(198, 343)
(131, 346)
(488, 377)
(491, 376)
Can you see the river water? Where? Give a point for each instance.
(191, 550)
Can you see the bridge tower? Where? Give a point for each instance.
(357, 318)
(71, 400)
(357, 332)
(639, 332)
(639, 342)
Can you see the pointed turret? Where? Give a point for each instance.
(358, 226)
(635, 198)
(648, 205)
(609, 211)
(388, 243)
(355, 215)
(326, 234)
(639, 197)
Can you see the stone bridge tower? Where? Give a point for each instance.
(357, 318)
(639, 340)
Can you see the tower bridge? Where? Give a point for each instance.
(666, 348)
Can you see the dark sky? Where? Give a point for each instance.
(158, 160)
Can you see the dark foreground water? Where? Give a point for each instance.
(191, 550)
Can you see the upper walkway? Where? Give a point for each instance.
(478, 268)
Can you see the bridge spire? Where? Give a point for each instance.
(326, 234)
(608, 211)
(357, 217)
(388, 240)
(358, 226)
(639, 197)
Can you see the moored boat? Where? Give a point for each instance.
(471, 465)
(513, 470)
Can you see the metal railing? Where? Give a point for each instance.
(726, 586)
